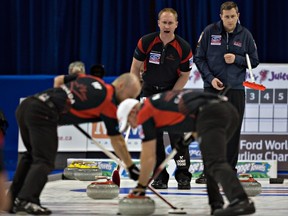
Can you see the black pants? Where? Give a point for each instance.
(216, 124)
(237, 99)
(182, 158)
(38, 128)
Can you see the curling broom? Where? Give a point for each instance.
(252, 84)
(115, 174)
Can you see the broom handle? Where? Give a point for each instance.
(250, 68)
(126, 141)
(105, 151)
(127, 134)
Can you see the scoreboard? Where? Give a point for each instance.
(266, 111)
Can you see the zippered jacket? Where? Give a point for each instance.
(214, 43)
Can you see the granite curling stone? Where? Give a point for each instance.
(88, 171)
(250, 185)
(68, 172)
(102, 190)
(135, 205)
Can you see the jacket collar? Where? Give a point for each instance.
(221, 29)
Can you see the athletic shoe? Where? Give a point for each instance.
(201, 180)
(159, 184)
(184, 184)
(25, 207)
(237, 207)
(15, 203)
(216, 206)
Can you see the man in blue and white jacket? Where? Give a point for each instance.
(220, 58)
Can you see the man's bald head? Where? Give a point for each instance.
(127, 85)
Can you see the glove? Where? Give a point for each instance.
(134, 172)
(138, 191)
(184, 142)
(188, 138)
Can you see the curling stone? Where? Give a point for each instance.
(132, 205)
(69, 171)
(102, 190)
(250, 185)
(87, 172)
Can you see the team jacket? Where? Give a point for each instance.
(86, 99)
(213, 43)
(162, 64)
(172, 111)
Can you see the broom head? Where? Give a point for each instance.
(116, 177)
(254, 85)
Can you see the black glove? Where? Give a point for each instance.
(184, 141)
(139, 191)
(188, 138)
(134, 172)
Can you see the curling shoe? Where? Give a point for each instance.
(201, 180)
(159, 184)
(25, 207)
(237, 207)
(216, 206)
(184, 184)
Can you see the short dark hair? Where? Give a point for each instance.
(97, 70)
(228, 6)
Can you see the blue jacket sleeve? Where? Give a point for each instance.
(200, 57)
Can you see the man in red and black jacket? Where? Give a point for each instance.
(205, 116)
(167, 60)
(84, 99)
